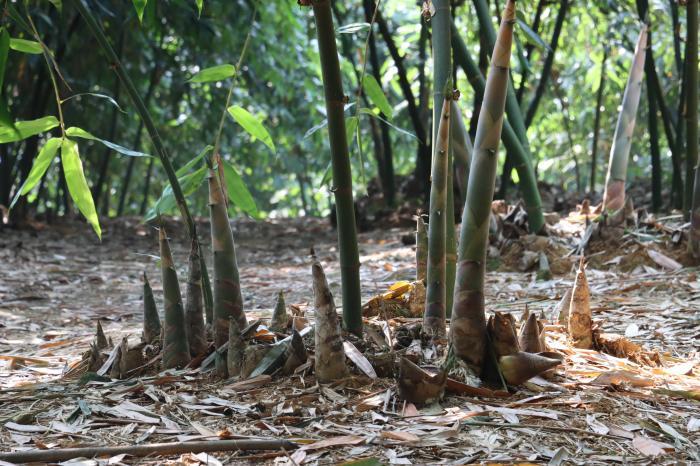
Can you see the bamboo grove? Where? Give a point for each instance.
(344, 95)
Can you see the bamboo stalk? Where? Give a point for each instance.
(596, 122)
(692, 123)
(228, 301)
(340, 162)
(468, 323)
(160, 449)
(436, 289)
(151, 320)
(421, 250)
(614, 196)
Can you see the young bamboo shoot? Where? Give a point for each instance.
(194, 306)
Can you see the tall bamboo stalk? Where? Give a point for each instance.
(692, 123)
(522, 160)
(614, 196)
(468, 324)
(176, 350)
(436, 300)
(340, 162)
(596, 122)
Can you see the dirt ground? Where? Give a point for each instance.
(57, 281)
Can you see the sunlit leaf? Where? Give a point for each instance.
(214, 73)
(5, 117)
(41, 164)
(27, 128)
(140, 5)
(189, 183)
(369, 112)
(26, 46)
(352, 28)
(238, 192)
(77, 184)
(93, 94)
(200, 5)
(252, 125)
(186, 167)
(81, 133)
(532, 36)
(58, 4)
(376, 95)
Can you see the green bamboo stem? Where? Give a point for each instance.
(442, 74)
(194, 307)
(151, 320)
(436, 300)
(692, 123)
(421, 250)
(614, 196)
(653, 129)
(522, 160)
(340, 162)
(228, 301)
(468, 323)
(462, 150)
(176, 351)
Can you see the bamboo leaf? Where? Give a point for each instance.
(214, 73)
(41, 164)
(74, 131)
(238, 192)
(140, 5)
(376, 95)
(369, 112)
(532, 36)
(58, 4)
(352, 28)
(186, 167)
(26, 46)
(166, 202)
(27, 128)
(93, 94)
(200, 5)
(77, 184)
(252, 125)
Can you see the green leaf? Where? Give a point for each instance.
(81, 133)
(214, 73)
(77, 184)
(93, 94)
(41, 164)
(352, 28)
(58, 4)
(350, 128)
(326, 178)
(532, 36)
(188, 183)
(376, 95)
(238, 192)
(27, 128)
(186, 167)
(200, 5)
(140, 5)
(5, 117)
(251, 124)
(26, 46)
(4, 51)
(369, 112)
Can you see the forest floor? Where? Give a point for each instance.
(56, 281)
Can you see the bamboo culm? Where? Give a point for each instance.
(468, 325)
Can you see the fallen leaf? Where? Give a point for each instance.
(359, 359)
(25, 428)
(399, 435)
(663, 260)
(596, 425)
(650, 447)
(343, 440)
(621, 377)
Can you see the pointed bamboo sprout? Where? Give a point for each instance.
(501, 328)
(580, 324)
(614, 196)
(221, 364)
(280, 319)
(296, 353)
(520, 367)
(421, 250)
(340, 162)
(176, 350)
(462, 148)
(194, 307)
(416, 385)
(468, 322)
(562, 309)
(529, 338)
(100, 338)
(544, 272)
(228, 301)
(151, 320)
(236, 349)
(436, 297)
(329, 353)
